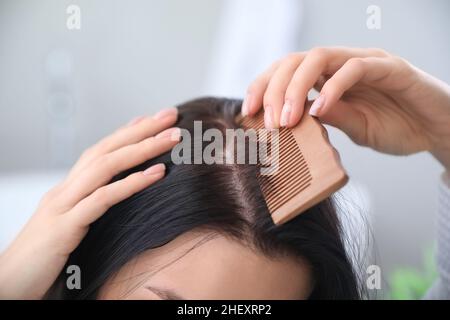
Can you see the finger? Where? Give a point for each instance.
(103, 169)
(94, 206)
(304, 78)
(344, 116)
(135, 131)
(276, 89)
(255, 92)
(355, 70)
(317, 63)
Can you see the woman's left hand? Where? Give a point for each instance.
(32, 263)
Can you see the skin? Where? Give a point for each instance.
(198, 265)
(377, 99)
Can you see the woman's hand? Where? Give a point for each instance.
(35, 259)
(378, 99)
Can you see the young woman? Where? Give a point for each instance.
(140, 227)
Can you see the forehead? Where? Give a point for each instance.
(198, 265)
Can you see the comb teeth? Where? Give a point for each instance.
(292, 175)
(308, 170)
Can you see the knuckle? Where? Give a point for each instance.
(355, 63)
(52, 194)
(48, 197)
(399, 61)
(101, 197)
(104, 163)
(378, 52)
(291, 57)
(89, 152)
(104, 146)
(274, 65)
(319, 53)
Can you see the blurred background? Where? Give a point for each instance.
(62, 89)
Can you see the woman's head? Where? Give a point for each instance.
(204, 231)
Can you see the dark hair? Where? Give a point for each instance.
(222, 198)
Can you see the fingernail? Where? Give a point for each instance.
(285, 114)
(245, 105)
(155, 169)
(317, 106)
(173, 133)
(268, 117)
(135, 120)
(165, 113)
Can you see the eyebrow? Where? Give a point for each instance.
(165, 294)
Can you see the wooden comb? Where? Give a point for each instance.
(309, 168)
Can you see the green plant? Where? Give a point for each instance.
(407, 283)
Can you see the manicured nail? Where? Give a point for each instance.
(317, 105)
(285, 114)
(135, 120)
(245, 105)
(173, 133)
(268, 117)
(165, 113)
(155, 169)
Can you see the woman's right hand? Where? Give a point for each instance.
(31, 264)
(377, 99)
